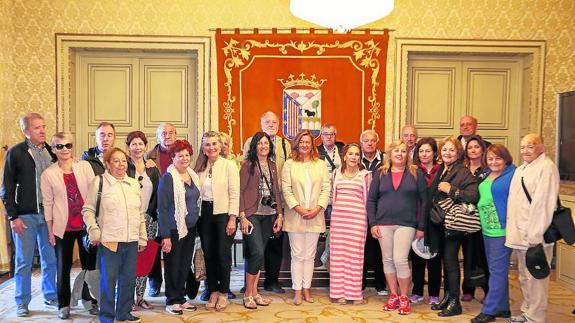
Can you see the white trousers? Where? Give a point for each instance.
(395, 245)
(535, 291)
(303, 248)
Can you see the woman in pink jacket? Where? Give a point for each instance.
(64, 187)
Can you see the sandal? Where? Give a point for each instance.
(307, 295)
(211, 304)
(260, 300)
(222, 303)
(359, 302)
(250, 303)
(342, 301)
(144, 304)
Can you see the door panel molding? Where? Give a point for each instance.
(428, 94)
(531, 52)
(68, 44)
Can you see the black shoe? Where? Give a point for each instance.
(453, 308)
(231, 295)
(154, 292)
(276, 288)
(205, 295)
(503, 314)
(243, 289)
(442, 304)
(483, 318)
(132, 318)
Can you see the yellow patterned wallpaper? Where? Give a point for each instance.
(27, 71)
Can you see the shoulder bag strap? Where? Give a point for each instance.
(525, 190)
(99, 198)
(284, 148)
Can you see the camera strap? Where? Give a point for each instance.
(265, 178)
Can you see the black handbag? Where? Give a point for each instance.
(436, 214)
(562, 226)
(86, 243)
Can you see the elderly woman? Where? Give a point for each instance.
(306, 190)
(474, 262)
(492, 205)
(220, 189)
(260, 211)
(425, 159)
(178, 213)
(454, 181)
(395, 194)
(119, 231)
(64, 188)
(148, 177)
(348, 227)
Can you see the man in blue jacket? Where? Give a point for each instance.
(22, 199)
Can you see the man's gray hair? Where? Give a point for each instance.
(369, 131)
(24, 121)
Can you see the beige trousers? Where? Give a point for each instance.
(535, 291)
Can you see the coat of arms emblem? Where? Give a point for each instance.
(301, 105)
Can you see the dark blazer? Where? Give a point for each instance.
(323, 153)
(91, 156)
(18, 191)
(249, 188)
(154, 175)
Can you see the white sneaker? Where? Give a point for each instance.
(174, 309)
(382, 292)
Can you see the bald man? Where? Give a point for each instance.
(468, 128)
(527, 221)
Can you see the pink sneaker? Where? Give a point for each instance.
(403, 306)
(434, 300)
(392, 303)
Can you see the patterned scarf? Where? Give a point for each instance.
(181, 209)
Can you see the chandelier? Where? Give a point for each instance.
(341, 15)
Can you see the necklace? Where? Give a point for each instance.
(350, 175)
(210, 172)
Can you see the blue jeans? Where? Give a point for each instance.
(497, 299)
(36, 232)
(117, 267)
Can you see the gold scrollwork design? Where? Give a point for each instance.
(364, 53)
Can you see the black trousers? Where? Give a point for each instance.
(178, 262)
(372, 259)
(418, 265)
(217, 247)
(474, 257)
(273, 256)
(453, 241)
(64, 256)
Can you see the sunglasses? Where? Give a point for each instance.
(61, 146)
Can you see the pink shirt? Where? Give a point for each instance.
(396, 178)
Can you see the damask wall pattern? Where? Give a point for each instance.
(27, 74)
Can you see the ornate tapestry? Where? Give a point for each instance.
(306, 77)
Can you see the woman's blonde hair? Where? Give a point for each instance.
(386, 167)
(295, 155)
(224, 136)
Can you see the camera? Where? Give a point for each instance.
(270, 201)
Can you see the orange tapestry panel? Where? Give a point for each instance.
(307, 79)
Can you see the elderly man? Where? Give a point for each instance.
(166, 137)
(105, 136)
(274, 249)
(22, 199)
(330, 150)
(409, 136)
(467, 128)
(527, 221)
(372, 159)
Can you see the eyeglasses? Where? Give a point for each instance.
(140, 178)
(61, 146)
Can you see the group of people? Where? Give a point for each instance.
(139, 207)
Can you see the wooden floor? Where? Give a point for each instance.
(561, 303)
